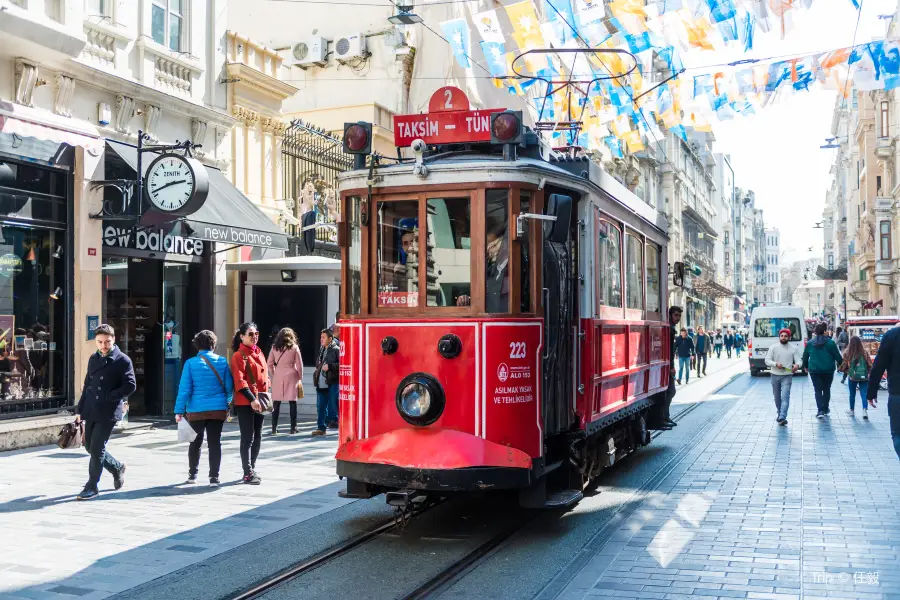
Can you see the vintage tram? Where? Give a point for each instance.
(503, 313)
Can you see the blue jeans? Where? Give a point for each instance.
(894, 414)
(684, 368)
(326, 406)
(781, 390)
(718, 349)
(96, 435)
(863, 388)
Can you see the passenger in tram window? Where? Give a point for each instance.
(496, 284)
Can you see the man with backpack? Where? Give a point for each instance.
(738, 343)
(783, 359)
(718, 341)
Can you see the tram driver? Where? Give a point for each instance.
(496, 272)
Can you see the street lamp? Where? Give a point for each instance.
(404, 17)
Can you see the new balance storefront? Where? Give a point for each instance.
(159, 282)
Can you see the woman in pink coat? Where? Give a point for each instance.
(285, 373)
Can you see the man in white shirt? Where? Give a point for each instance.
(783, 359)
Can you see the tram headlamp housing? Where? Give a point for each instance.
(420, 399)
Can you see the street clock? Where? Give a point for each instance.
(176, 184)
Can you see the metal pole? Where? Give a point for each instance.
(139, 186)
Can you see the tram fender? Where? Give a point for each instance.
(431, 448)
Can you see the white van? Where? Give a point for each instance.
(766, 321)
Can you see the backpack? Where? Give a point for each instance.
(859, 370)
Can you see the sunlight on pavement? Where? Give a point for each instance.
(674, 537)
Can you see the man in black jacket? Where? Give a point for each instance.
(888, 359)
(675, 313)
(107, 384)
(325, 379)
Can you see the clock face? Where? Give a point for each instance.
(170, 183)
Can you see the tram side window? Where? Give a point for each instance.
(653, 280)
(448, 268)
(634, 272)
(398, 254)
(610, 266)
(496, 285)
(354, 263)
(524, 258)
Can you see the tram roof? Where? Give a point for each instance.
(580, 174)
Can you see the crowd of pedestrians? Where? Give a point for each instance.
(694, 349)
(212, 389)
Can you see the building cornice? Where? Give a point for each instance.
(252, 79)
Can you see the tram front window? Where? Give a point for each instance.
(398, 254)
(448, 267)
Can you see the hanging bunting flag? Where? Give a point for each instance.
(590, 11)
(495, 57)
(614, 146)
(488, 26)
(630, 16)
(747, 30)
(457, 33)
(721, 10)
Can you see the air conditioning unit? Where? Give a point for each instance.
(309, 52)
(350, 47)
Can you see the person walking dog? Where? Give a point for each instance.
(286, 370)
(203, 395)
(107, 384)
(783, 359)
(820, 357)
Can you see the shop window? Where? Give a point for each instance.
(885, 240)
(167, 23)
(448, 266)
(653, 279)
(354, 257)
(398, 254)
(524, 257)
(634, 272)
(496, 219)
(609, 265)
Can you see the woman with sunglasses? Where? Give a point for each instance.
(251, 376)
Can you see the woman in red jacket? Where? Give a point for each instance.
(248, 368)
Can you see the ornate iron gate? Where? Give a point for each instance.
(312, 159)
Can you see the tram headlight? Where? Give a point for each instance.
(420, 399)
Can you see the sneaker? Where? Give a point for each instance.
(333, 424)
(820, 415)
(213, 482)
(142, 318)
(318, 432)
(139, 371)
(293, 430)
(191, 480)
(851, 412)
(119, 478)
(782, 422)
(142, 305)
(252, 479)
(87, 494)
(866, 413)
(274, 431)
(139, 338)
(140, 328)
(678, 381)
(671, 423)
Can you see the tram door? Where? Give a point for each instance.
(559, 302)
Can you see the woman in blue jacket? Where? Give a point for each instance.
(203, 395)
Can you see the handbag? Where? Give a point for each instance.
(71, 435)
(186, 433)
(264, 398)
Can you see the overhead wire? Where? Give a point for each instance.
(853, 44)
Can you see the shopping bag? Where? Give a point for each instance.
(186, 433)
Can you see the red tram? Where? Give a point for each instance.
(503, 313)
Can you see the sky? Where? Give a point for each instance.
(776, 151)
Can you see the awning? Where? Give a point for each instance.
(227, 216)
(711, 288)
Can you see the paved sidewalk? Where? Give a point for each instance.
(56, 548)
(811, 510)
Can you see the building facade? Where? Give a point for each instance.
(80, 80)
(772, 291)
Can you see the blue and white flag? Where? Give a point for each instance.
(457, 33)
(495, 57)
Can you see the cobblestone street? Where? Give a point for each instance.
(811, 510)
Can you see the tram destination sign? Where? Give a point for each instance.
(452, 127)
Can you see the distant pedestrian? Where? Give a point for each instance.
(738, 343)
(286, 372)
(684, 346)
(728, 340)
(702, 348)
(107, 384)
(248, 368)
(820, 357)
(718, 342)
(857, 364)
(675, 313)
(888, 360)
(843, 340)
(203, 396)
(326, 381)
(783, 359)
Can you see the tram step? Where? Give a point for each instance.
(563, 498)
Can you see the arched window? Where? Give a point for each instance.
(609, 266)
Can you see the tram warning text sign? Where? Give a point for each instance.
(449, 121)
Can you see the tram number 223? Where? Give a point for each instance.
(517, 350)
